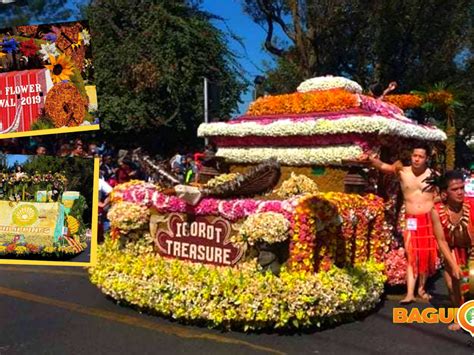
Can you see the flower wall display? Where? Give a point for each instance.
(36, 60)
(242, 297)
(329, 82)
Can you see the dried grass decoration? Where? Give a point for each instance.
(65, 105)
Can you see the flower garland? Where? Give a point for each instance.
(269, 227)
(374, 124)
(333, 155)
(307, 102)
(329, 82)
(240, 297)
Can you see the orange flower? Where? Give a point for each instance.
(308, 102)
(404, 102)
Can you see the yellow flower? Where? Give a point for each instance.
(61, 68)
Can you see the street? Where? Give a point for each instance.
(56, 310)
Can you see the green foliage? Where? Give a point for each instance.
(77, 211)
(43, 122)
(150, 60)
(38, 11)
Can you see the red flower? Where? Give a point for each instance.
(11, 247)
(29, 48)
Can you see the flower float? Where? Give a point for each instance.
(334, 268)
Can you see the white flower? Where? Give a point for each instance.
(333, 155)
(374, 124)
(329, 82)
(47, 50)
(85, 36)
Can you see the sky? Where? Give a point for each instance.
(252, 35)
(16, 158)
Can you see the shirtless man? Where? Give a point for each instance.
(457, 219)
(419, 240)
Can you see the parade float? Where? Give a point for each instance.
(274, 243)
(39, 219)
(45, 77)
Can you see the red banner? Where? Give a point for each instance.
(25, 91)
(202, 239)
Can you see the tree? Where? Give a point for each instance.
(25, 12)
(414, 42)
(150, 60)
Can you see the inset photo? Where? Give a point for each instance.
(47, 209)
(46, 80)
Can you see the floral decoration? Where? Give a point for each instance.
(351, 123)
(405, 101)
(240, 297)
(329, 82)
(65, 106)
(220, 179)
(332, 155)
(28, 48)
(295, 103)
(9, 45)
(61, 68)
(268, 227)
(296, 185)
(127, 216)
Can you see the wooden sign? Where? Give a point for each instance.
(200, 239)
(23, 92)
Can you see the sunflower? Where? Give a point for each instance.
(61, 68)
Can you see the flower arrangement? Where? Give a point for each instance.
(127, 216)
(396, 267)
(296, 185)
(65, 105)
(240, 297)
(332, 155)
(405, 101)
(345, 124)
(329, 82)
(220, 179)
(306, 102)
(22, 250)
(268, 227)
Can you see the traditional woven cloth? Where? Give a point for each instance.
(420, 243)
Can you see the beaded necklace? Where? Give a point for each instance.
(453, 227)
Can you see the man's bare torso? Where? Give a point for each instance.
(416, 201)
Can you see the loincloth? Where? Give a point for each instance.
(420, 243)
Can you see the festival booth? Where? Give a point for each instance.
(275, 243)
(41, 224)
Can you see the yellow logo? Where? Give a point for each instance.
(465, 317)
(25, 215)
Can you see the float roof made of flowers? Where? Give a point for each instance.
(326, 122)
